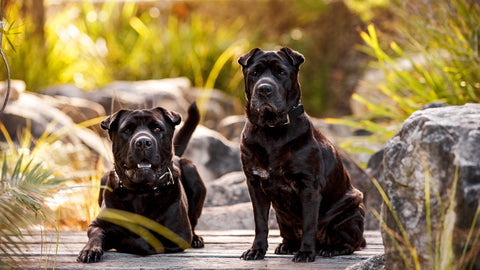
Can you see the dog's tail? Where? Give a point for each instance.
(185, 133)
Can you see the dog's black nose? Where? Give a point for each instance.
(143, 142)
(265, 89)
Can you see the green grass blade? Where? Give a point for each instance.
(393, 237)
(146, 222)
(387, 202)
(4, 171)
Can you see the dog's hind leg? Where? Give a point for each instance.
(344, 234)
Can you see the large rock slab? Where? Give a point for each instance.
(376, 262)
(232, 217)
(175, 94)
(167, 93)
(40, 115)
(212, 153)
(229, 189)
(434, 149)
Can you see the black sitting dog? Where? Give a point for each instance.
(292, 166)
(150, 181)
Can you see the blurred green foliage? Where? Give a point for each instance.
(91, 44)
(439, 62)
(442, 59)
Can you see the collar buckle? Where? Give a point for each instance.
(295, 112)
(120, 182)
(169, 181)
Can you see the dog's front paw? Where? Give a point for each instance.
(197, 242)
(90, 254)
(304, 256)
(254, 254)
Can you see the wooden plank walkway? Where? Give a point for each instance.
(222, 251)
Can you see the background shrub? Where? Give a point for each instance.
(434, 58)
(92, 44)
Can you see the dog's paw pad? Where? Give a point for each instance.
(304, 256)
(197, 242)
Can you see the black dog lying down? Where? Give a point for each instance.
(292, 166)
(148, 180)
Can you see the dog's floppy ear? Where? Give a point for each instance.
(243, 60)
(110, 123)
(172, 117)
(295, 57)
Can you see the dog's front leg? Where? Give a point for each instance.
(93, 250)
(261, 208)
(310, 198)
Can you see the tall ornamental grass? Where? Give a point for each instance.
(437, 61)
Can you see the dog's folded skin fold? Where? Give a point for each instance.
(148, 179)
(291, 166)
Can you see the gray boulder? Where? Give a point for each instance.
(167, 93)
(372, 197)
(232, 217)
(37, 114)
(78, 109)
(376, 262)
(228, 189)
(217, 106)
(363, 182)
(231, 127)
(213, 155)
(175, 94)
(437, 148)
(66, 90)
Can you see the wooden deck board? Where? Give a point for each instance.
(222, 251)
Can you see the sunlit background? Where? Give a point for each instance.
(369, 64)
(91, 43)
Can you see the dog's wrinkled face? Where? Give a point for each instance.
(142, 144)
(271, 85)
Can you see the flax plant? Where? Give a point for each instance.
(23, 189)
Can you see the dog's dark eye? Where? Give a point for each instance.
(157, 129)
(127, 129)
(253, 73)
(281, 72)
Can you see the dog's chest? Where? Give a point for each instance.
(281, 165)
(276, 179)
(283, 191)
(147, 204)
